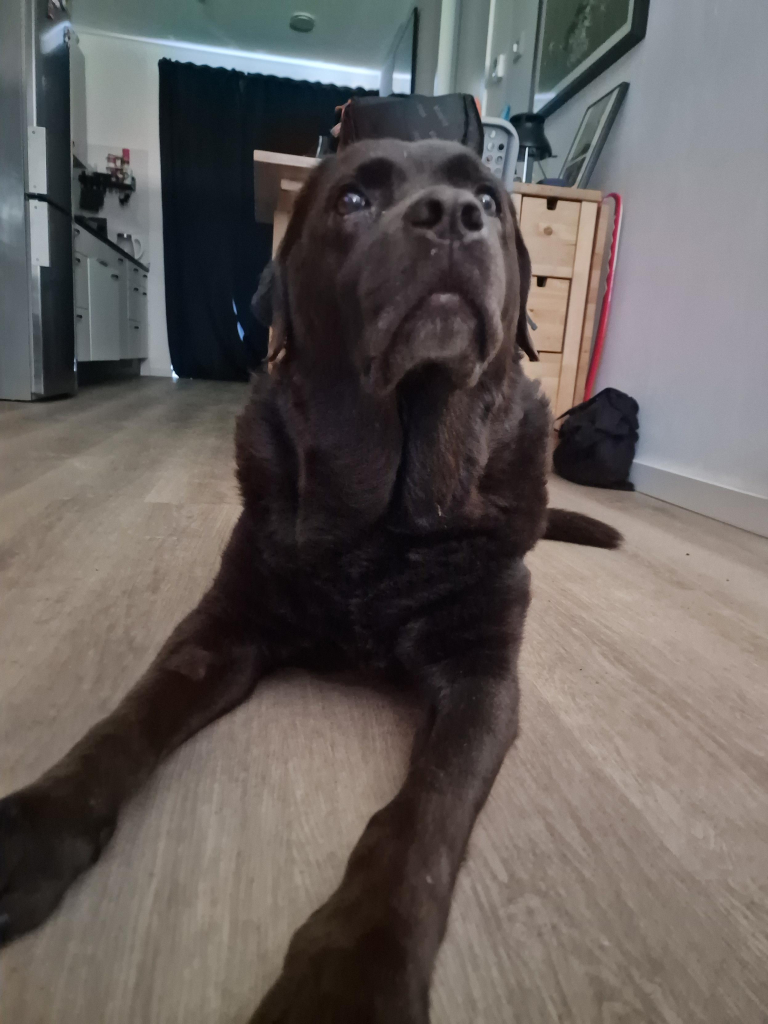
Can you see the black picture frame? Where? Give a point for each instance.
(588, 142)
(595, 63)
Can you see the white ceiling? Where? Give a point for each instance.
(352, 32)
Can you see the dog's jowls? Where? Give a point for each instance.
(393, 470)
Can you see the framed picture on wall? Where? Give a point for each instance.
(576, 40)
(590, 137)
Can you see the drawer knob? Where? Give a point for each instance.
(548, 229)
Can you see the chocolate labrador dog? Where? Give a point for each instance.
(393, 470)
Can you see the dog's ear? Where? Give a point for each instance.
(522, 335)
(281, 329)
(281, 336)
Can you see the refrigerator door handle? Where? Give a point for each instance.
(37, 167)
(39, 246)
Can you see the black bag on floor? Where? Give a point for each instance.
(597, 441)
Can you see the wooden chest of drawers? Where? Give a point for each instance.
(565, 237)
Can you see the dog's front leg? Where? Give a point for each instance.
(366, 956)
(55, 828)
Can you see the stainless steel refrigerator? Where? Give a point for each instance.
(37, 337)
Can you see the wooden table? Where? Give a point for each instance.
(565, 231)
(277, 177)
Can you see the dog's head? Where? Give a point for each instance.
(399, 255)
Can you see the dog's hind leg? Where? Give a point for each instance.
(55, 828)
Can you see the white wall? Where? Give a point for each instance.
(512, 20)
(429, 35)
(688, 336)
(470, 47)
(123, 111)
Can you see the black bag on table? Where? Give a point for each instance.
(453, 117)
(597, 441)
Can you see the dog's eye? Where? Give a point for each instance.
(351, 201)
(489, 204)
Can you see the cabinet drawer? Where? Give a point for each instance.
(82, 336)
(548, 307)
(546, 371)
(80, 241)
(550, 235)
(137, 299)
(87, 244)
(81, 280)
(136, 341)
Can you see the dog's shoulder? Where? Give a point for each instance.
(266, 459)
(514, 482)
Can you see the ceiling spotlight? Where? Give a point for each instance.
(301, 22)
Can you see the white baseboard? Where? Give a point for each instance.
(739, 508)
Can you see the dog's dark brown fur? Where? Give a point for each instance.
(393, 471)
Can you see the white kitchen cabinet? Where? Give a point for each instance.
(135, 340)
(110, 302)
(104, 308)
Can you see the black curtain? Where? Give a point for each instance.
(211, 120)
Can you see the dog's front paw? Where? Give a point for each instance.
(346, 973)
(45, 843)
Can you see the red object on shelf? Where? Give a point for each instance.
(605, 309)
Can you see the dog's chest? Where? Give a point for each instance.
(369, 603)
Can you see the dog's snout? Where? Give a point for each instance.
(471, 216)
(446, 213)
(427, 212)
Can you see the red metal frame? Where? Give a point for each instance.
(605, 309)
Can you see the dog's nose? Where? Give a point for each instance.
(446, 213)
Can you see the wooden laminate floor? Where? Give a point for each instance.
(618, 874)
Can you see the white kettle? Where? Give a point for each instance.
(132, 244)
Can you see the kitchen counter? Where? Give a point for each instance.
(80, 225)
